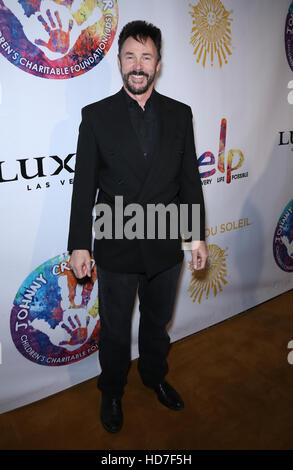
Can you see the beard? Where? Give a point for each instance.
(142, 89)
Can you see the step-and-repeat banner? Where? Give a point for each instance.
(232, 62)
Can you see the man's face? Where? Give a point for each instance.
(138, 64)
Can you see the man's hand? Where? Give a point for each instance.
(80, 263)
(199, 254)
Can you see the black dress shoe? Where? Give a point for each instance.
(111, 413)
(168, 396)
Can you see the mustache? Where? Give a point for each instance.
(141, 73)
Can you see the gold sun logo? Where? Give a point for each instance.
(212, 278)
(211, 33)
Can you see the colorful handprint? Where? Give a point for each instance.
(59, 40)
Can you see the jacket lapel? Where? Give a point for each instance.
(127, 139)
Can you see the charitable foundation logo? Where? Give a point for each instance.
(209, 281)
(211, 32)
(289, 47)
(289, 36)
(54, 320)
(57, 39)
(283, 239)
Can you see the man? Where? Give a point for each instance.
(137, 144)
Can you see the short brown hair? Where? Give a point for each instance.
(141, 30)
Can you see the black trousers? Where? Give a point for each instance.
(117, 293)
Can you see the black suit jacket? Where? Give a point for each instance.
(108, 158)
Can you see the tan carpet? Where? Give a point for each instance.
(235, 380)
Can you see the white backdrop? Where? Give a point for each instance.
(243, 117)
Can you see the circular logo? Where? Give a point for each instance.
(54, 320)
(211, 31)
(289, 36)
(57, 39)
(283, 239)
(211, 279)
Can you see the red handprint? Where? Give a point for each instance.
(78, 333)
(59, 40)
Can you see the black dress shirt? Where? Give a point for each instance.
(145, 124)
